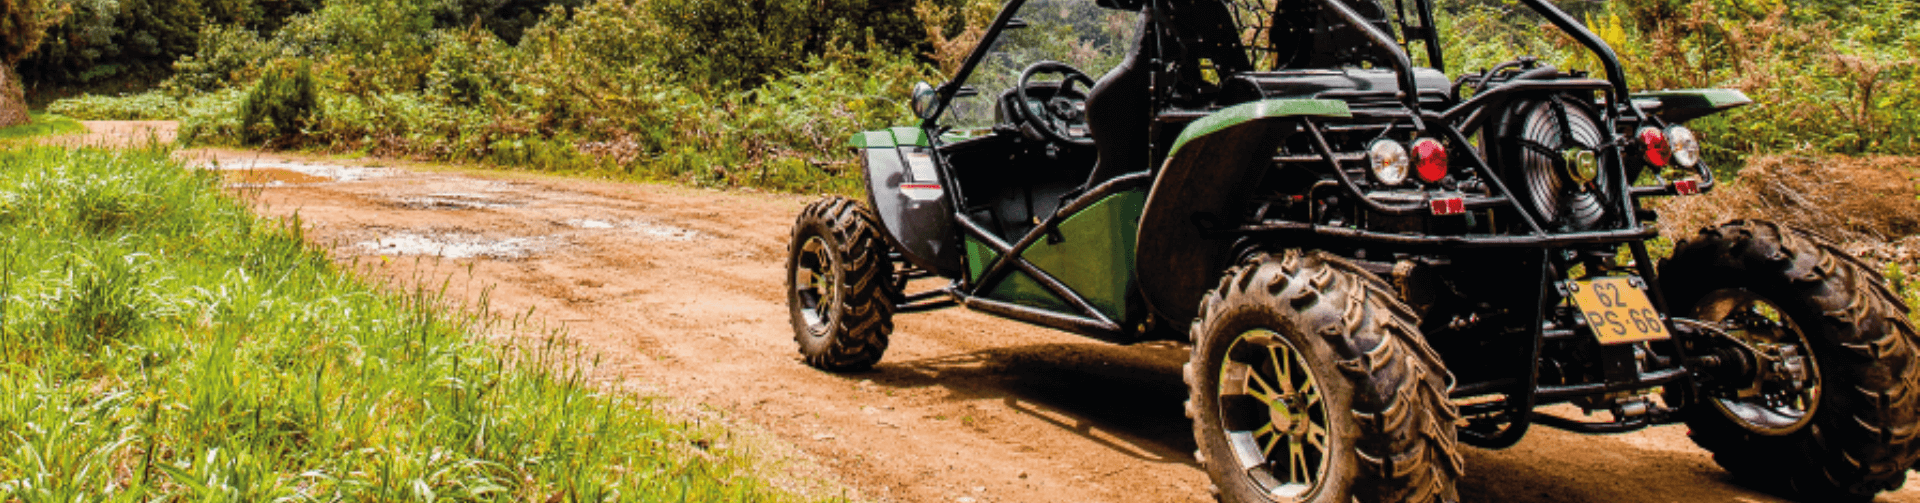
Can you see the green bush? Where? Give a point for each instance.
(282, 106)
(229, 56)
(138, 107)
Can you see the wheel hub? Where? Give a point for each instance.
(1780, 392)
(1287, 415)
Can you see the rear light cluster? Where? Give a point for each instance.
(1675, 146)
(1389, 161)
(1429, 160)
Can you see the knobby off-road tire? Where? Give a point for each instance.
(1373, 397)
(1865, 419)
(839, 279)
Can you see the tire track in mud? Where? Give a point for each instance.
(679, 293)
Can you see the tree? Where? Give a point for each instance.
(23, 23)
(739, 44)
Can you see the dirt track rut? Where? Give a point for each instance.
(679, 292)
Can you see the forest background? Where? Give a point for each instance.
(764, 93)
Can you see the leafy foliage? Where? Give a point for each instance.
(594, 88)
(739, 44)
(105, 39)
(1831, 76)
(23, 25)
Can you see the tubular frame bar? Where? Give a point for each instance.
(1099, 329)
(1616, 74)
(1647, 380)
(1617, 426)
(1006, 264)
(1402, 64)
(995, 271)
(1011, 257)
(952, 86)
(1282, 227)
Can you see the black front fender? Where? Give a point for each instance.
(1210, 174)
(905, 190)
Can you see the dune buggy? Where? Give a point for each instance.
(1372, 261)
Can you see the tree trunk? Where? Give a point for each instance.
(13, 99)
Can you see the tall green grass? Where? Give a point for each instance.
(42, 125)
(160, 343)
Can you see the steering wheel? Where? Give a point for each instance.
(1051, 119)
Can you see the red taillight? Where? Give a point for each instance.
(1655, 144)
(1429, 159)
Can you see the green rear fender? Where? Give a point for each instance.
(1210, 173)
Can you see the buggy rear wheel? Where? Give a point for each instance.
(838, 286)
(1830, 412)
(1310, 383)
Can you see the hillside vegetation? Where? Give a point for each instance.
(764, 93)
(734, 94)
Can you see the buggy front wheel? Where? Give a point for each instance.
(838, 286)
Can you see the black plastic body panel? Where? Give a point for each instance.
(913, 203)
(1254, 86)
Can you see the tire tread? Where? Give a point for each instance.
(1863, 439)
(1406, 447)
(859, 335)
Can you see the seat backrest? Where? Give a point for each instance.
(1120, 112)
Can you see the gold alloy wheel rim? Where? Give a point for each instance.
(1274, 415)
(814, 278)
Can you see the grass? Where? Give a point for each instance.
(159, 342)
(42, 125)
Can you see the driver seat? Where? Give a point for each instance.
(1120, 114)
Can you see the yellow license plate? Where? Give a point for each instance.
(1617, 312)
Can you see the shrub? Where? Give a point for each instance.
(229, 56)
(281, 106)
(138, 107)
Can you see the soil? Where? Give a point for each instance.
(678, 291)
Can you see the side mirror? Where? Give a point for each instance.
(922, 99)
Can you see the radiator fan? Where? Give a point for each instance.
(1550, 154)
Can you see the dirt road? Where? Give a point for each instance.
(679, 291)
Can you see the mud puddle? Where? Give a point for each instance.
(268, 177)
(458, 245)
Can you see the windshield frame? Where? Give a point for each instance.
(951, 88)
